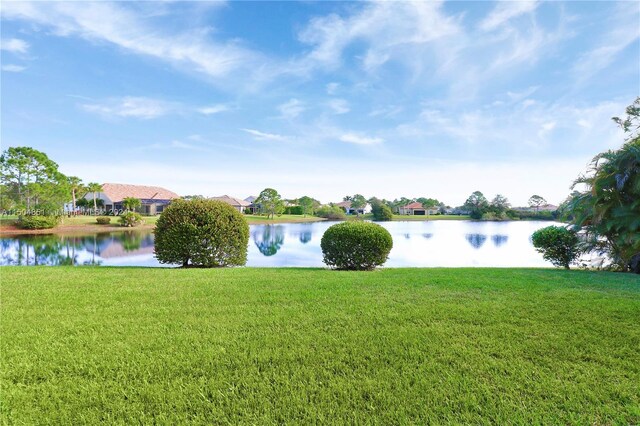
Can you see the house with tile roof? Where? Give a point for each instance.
(236, 203)
(346, 206)
(416, 209)
(154, 199)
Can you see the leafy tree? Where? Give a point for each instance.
(201, 233)
(428, 203)
(536, 201)
(308, 205)
(270, 202)
(31, 179)
(558, 245)
(477, 205)
(94, 188)
(131, 203)
(358, 202)
(381, 211)
(500, 205)
(608, 210)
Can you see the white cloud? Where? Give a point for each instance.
(13, 68)
(332, 88)
(14, 45)
(339, 106)
(505, 11)
(258, 135)
(359, 139)
(213, 109)
(122, 26)
(131, 107)
(291, 109)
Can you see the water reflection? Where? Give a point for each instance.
(499, 240)
(476, 240)
(269, 239)
(432, 243)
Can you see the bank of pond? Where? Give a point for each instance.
(415, 244)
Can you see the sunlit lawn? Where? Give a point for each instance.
(311, 346)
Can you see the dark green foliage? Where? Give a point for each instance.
(331, 213)
(131, 219)
(202, 233)
(131, 203)
(103, 220)
(558, 245)
(38, 222)
(297, 210)
(608, 211)
(477, 205)
(356, 245)
(381, 212)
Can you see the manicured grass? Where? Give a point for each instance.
(310, 346)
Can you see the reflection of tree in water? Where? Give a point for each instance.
(476, 240)
(270, 240)
(132, 241)
(305, 237)
(40, 250)
(499, 240)
(427, 235)
(407, 236)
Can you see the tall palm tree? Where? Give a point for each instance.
(94, 188)
(75, 184)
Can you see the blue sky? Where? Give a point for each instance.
(391, 99)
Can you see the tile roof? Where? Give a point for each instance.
(414, 205)
(116, 192)
(231, 200)
(345, 204)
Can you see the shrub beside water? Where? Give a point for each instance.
(558, 245)
(356, 246)
(38, 222)
(131, 219)
(331, 213)
(201, 233)
(102, 220)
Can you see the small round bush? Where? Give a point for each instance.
(131, 219)
(557, 244)
(38, 222)
(356, 246)
(201, 233)
(381, 212)
(103, 220)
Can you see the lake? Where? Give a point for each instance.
(415, 244)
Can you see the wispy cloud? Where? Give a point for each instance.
(360, 139)
(213, 109)
(131, 107)
(332, 88)
(258, 135)
(13, 68)
(505, 11)
(131, 30)
(339, 106)
(291, 109)
(14, 45)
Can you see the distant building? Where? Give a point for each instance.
(346, 206)
(154, 199)
(236, 203)
(416, 209)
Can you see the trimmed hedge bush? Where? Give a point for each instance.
(38, 222)
(131, 219)
(103, 220)
(201, 233)
(356, 246)
(297, 210)
(558, 245)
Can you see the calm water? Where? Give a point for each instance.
(435, 243)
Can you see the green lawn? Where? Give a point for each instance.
(310, 346)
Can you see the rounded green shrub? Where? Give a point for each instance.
(38, 222)
(557, 244)
(131, 219)
(356, 246)
(331, 213)
(201, 233)
(381, 212)
(102, 220)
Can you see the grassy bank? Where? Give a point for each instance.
(273, 346)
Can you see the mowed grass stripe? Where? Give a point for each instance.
(277, 346)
